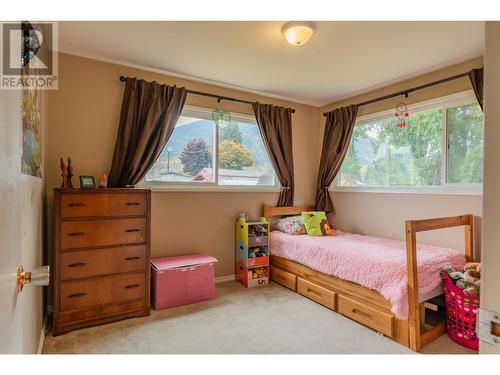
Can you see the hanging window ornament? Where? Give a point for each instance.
(221, 118)
(402, 115)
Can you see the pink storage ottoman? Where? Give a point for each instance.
(182, 280)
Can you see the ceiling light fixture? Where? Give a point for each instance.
(298, 33)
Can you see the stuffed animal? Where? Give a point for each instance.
(471, 291)
(472, 275)
(472, 265)
(326, 228)
(464, 284)
(469, 280)
(448, 268)
(456, 275)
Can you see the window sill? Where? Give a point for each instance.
(208, 189)
(478, 191)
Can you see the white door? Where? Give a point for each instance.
(10, 222)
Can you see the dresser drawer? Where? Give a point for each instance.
(80, 264)
(89, 233)
(316, 293)
(96, 205)
(378, 320)
(82, 294)
(89, 317)
(284, 278)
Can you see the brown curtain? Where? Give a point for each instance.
(476, 79)
(148, 117)
(339, 125)
(275, 125)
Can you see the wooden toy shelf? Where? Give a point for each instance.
(252, 252)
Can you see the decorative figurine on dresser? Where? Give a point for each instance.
(101, 258)
(70, 173)
(66, 173)
(252, 252)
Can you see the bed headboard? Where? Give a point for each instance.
(270, 211)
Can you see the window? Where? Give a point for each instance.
(441, 148)
(203, 139)
(465, 134)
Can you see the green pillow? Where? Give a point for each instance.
(312, 222)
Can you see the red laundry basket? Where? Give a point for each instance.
(461, 311)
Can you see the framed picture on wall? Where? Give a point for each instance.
(87, 182)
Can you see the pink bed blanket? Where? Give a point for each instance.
(375, 263)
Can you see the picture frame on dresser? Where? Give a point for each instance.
(101, 258)
(87, 182)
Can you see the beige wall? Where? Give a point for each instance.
(383, 214)
(490, 296)
(83, 119)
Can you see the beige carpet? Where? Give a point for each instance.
(272, 319)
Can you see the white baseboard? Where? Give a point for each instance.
(222, 279)
(42, 334)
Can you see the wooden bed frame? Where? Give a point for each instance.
(365, 305)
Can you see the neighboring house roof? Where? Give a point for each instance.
(226, 177)
(174, 176)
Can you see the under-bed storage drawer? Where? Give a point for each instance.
(284, 278)
(378, 320)
(316, 293)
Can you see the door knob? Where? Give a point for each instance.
(40, 276)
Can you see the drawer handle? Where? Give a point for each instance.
(133, 204)
(76, 295)
(132, 286)
(76, 234)
(132, 258)
(77, 264)
(132, 230)
(362, 313)
(76, 205)
(314, 292)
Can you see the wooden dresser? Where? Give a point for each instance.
(100, 269)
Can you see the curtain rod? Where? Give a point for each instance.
(407, 91)
(218, 97)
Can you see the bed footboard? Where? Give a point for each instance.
(412, 228)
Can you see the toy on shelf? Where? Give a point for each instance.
(252, 252)
(259, 272)
(257, 252)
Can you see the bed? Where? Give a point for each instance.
(371, 280)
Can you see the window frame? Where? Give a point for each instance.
(181, 186)
(449, 101)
